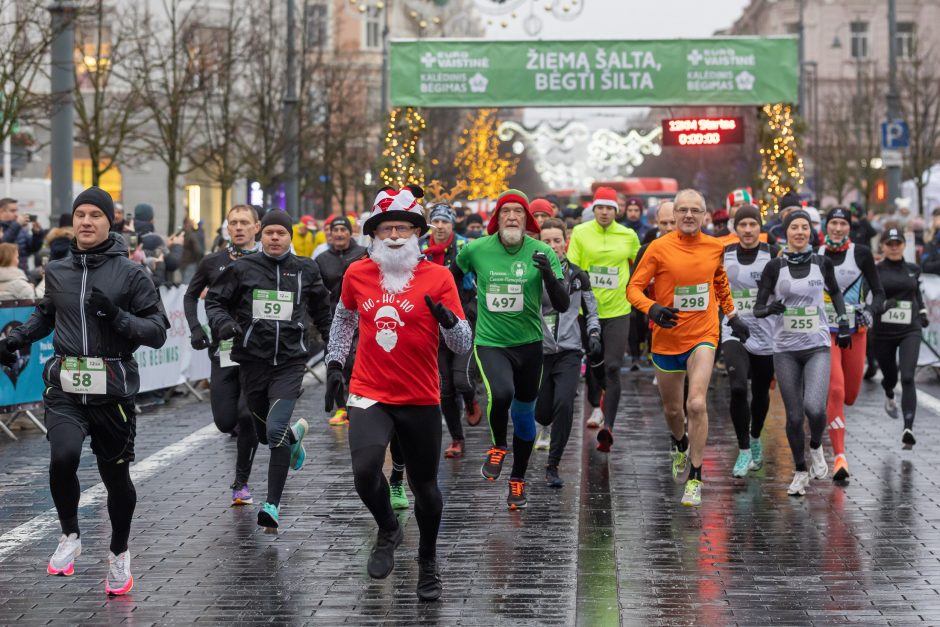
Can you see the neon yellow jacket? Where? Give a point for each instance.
(605, 254)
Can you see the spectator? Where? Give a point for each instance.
(20, 229)
(143, 219)
(13, 282)
(633, 217)
(720, 220)
(474, 227)
(861, 231)
(58, 243)
(118, 225)
(194, 249)
(161, 259)
(305, 233)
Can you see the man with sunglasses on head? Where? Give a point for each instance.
(690, 282)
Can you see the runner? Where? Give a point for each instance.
(606, 249)
(562, 348)
(753, 359)
(229, 410)
(899, 329)
(261, 302)
(686, 266)
(797, 281)
(511, 270)
(857, 276)
(102, 307)
(400, 304)
(441, 246)
(340, 253)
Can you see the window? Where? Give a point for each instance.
(316, 16)
(905, 35)
(792, 28)
(92, 54)
(859, 40)
(373, 26)
(206, 50)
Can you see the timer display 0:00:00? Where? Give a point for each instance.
(699, 139)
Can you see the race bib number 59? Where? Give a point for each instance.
(691, 297)
(272, 305)
(83, 375)
(504, 298)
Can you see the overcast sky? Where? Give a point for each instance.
(626, 19)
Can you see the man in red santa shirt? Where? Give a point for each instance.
(400, 303)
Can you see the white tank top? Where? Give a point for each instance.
(743, 281)
(803, 326)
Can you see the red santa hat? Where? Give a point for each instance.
(605, 196)
(397, 205)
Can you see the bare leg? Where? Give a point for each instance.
(700, 366)
(671, 390)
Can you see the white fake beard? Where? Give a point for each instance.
(510, 235)
(397, 265)
(387, 339)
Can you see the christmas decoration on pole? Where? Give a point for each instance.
(479, 161)
(781, 167)
(402, 161)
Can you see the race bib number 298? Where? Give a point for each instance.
(691, 297)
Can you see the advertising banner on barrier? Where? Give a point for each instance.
(477, 73)
(165, 367)
(930, 347)
(21, 384)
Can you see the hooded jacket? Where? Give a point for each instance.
(141, 320)
(260, 339)
(562, 331)
(14, 285)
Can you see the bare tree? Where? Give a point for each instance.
(836, 155)
(107, 96)
(919, 84)
(166, 66)
(26, 32)
(868, 110)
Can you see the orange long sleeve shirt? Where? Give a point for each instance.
(682, 261)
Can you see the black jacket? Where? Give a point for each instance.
(79, 333)
(333, 264)
(206, 273)
(262, 340)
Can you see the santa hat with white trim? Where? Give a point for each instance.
(606, 197)
(397, 205)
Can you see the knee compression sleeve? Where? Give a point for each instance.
(523, 419)
(278, 422)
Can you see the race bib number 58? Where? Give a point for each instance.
(83, 375)
(691, 297)
(272, 305)
(504, 298)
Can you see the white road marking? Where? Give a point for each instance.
(929, 401)
(39, 526)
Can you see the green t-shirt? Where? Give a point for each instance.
(509, 290)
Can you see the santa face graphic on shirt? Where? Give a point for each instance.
(387, 322)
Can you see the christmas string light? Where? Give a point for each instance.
(402, 161)
(479, 161)
(781, 167)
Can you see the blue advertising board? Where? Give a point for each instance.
(21, 384)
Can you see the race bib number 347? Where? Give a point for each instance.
(691, 297)
(504, 298)
(83, 375)
(272, 305)
(744, 299)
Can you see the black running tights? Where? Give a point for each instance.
(900, 354)
(748, 419)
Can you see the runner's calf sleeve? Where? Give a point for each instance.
(277, 473)
(278, 423)
(523, 419)
(521, 451)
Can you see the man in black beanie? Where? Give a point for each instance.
(143, 219)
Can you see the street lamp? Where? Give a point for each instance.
(62, 84)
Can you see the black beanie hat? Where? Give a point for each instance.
(143, 212)
(790, 199)
(747, 211)
(839, 213)
(278, 217)
(799, 214)
(97, 197)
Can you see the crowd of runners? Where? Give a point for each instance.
(432, 324)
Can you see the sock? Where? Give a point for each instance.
(814, 445)
(695, 472)
(398, 473)
(889, 393)
(277, 473)
(683, 444)
(801, 467)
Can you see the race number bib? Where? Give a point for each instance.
(551, 322)
(902, 314)
(359, 402)
(604, 278)
(225, 354)
(832, 318)
(691, 297)
(801, 319)
(504, 298)
(272, 305)
(744, 300)
(83, 375)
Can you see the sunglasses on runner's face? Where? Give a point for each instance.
(404, 229)
(693, 210)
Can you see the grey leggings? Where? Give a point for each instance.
(804, 385)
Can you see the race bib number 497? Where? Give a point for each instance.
(691, 297)
(83, 375)
(272, 305)
(504, 298)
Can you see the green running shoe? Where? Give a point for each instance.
(267, 516)
(742, 464)
(693, 493)
(757, 454)
(397, 495)
(680, 463)
(297, 451)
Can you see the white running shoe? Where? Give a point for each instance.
(891, 408)
(819, 469)
(799, 483)
(62, 561)
(544, 440)
(119, 580)
(597, 418)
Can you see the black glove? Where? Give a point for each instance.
(776, 308)
(595, 347)
(844, 338)
(444, 316)
(198, 339)
(335, 393)
(924, 321)
(890, 303)
(543, 264)
(8, 348)
(877, 306)
(665, 317)
(101, 305)
(228, 330)
(739, 328)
